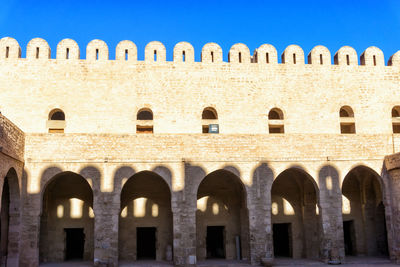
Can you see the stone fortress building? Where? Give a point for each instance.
(121, 160)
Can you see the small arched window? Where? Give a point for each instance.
(145, 121)
(210, 123)
(56, 121)
(347, 122)
(275, 121)
(209, 114)
(396, 119)
(346, 112)
(275, 114)
(144, 115)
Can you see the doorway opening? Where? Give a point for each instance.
(215, 242)
(282, 239)
(146, 243)
(349, 238)
(75, 243)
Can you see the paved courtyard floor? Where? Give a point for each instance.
(281, 262)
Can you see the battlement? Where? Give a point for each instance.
(155, 52)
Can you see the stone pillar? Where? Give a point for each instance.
(106, 207)
(30, 231)
(391, 190)
(311, 230)
(184, 206)
(184, 229)
(330, 209)
(259, 206)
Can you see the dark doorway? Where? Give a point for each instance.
(75, 243)
(215, 242)
(146, 243)
(349, 238)
(282, 239)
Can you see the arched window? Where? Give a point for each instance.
(210, 120)
(209, 114)
(144, 115)
(275, 121)
(347, 122)
(56, 121)
(144, 119)
(396, 119)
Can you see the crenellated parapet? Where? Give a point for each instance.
(155, 52)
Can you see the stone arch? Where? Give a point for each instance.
(68, 49)
(155, 52)
(293, 54)
(38, 48)
(96, 50)
(394, 60)
(211, 53)
(372, 56)
(67, 217)
(9, 48)
(363, 210)
(239, 53)
(126, 51)
(10, 215)
(222, 208)
(295, 214)
(346, 56)
(319, 55)
(266, 54)
(183, 52)
(146, 214)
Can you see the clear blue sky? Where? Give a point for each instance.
(332, 23)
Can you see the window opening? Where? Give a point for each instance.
(97, 54)
(267, 57)
(155, 55)
(348, 59)
(212, 56)
(37, 52)
(7, 51)
(126, 54)
(374, 57)
(294, 58)
(144, 115)
(67, 54)
(320, 59)
(58, 116)
(183, 56)
(240, 57)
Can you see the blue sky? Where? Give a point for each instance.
(308, 23)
